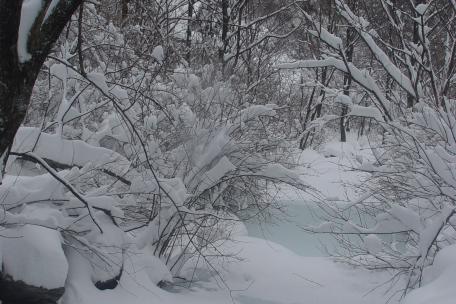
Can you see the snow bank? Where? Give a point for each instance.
(269, 273)
(137, 284)
(438, 280)
(108, 249)
(140, 262)
(34, 255)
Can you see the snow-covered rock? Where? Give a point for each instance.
(34, 254)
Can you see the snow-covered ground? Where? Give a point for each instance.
(282, 264)
(272, 274)
(265, 272)
(272, 264)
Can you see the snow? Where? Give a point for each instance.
(331, 39)
(108, 249)
(210, 141)
(262, 272)
(119, 93)
(144, 261)
(287, 278)
(438, 278)
(254, 111)
(99, 80)
(34, 255)
(213, 175)
(270, 273)
(279, 172)
(158, 53)
(29, 12)
(50, 9)
(134, 287)
(16, 189)
(344, 99)
(421, 8)
(369, 112)
(68, 152)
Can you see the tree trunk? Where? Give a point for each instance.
(347, 79)
(225, 21)
(416, 40)
(188, 42)
(124, 12)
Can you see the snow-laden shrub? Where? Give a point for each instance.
(129, 169)
(407, 212)
(404, 214)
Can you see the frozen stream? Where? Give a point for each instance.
(288, 233)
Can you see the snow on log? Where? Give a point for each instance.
(70, 152)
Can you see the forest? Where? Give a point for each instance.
(227, 151)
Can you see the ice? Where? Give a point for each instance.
(373, 244)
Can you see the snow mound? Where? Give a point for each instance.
(34, 254)
(142, 261)
(438, 280)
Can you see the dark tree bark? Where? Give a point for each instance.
(225, 22)
(416, 39)
(18, 78)
(124, 11)
(188, 42)
(351, 36)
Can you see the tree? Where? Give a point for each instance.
(28, 30)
